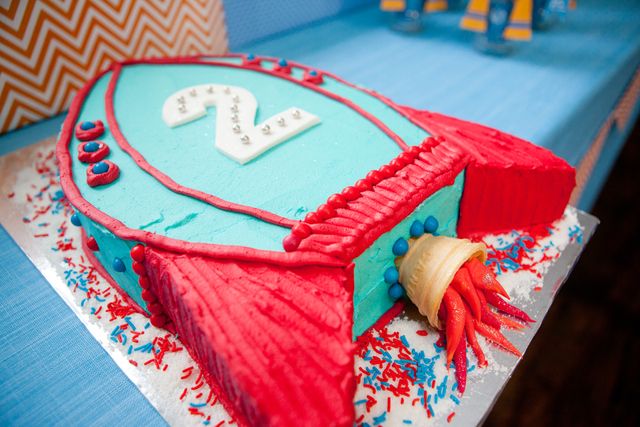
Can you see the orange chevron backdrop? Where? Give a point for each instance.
(50, 48)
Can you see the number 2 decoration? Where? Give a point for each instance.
(237, 136)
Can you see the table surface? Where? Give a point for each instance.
(555, 91)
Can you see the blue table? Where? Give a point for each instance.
(556, 91)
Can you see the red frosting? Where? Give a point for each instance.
(96, 179)
(253, 319)
(256, 329)
(89, 134)
(92, 156)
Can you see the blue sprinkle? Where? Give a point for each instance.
(391, 275)
(91, 147)
(380, 419)
(361, 402)
(75, 219)
(283, 62)
(407, 421)
(400, 247)
(417, 229)
(58, 195)
(313, 73)
(431, 224)
(130, 323)
(405, 342)
(396, 291)
(100, 167)
(455, 399)
(87, 125)
(130, 349)
(146, 348)
(198, 405)
(118, 265)
(251, 57)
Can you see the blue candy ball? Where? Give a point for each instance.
(391, 275)
(396, 291)
(75, 219)
(251, 57)
(100, 167)
(91, 147)
(431, 225)
(417, 229)
(87, 125)
(313, 73)
(283, 62)
(400, 247)
(118, 265)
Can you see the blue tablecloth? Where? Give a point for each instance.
(556, 91)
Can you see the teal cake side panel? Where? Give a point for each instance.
(371, 299)
(111, 247)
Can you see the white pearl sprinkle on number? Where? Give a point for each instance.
(236, 128)
(193, 93)
(245, 139)
(234, 108)
(227, 89)
(236, 99)
(210, 89)
(235, 118)
(266, 129)
(281, 121)
(296, 114)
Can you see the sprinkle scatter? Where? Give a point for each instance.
(163, 367)
(400, 368)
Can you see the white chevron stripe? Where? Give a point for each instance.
(139, 29)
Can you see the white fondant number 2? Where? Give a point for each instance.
(237, 136)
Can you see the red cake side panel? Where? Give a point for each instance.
(509, 183)
(276, 340)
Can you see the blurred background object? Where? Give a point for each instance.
(51, 48)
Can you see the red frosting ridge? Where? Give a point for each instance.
(274, 341)
(394, 192)
(509, 182)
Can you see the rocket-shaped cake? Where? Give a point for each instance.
(270, 213)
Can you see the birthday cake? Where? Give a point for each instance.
(268, 212)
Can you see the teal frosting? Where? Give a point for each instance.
(290, 179)
(111, 247)
(371, 299)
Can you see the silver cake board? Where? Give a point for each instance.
(391, 390)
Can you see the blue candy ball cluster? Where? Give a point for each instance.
(87, 125)
(401, 247)
(118, 265)
(91, 147)
(100, 167)
(75, 219)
